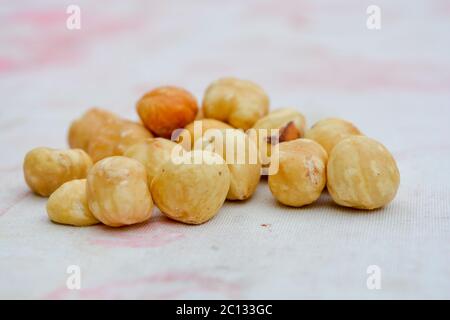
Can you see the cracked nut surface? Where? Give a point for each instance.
(46, 169)
(68, 205)
(152, 153)
(241, 155)
(165, 109)
(117, 191)
(238, 102)
(115, 137)
(192, 192)
(362, 174)
(301, 175)
(329, 132)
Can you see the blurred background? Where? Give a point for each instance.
(317, 56)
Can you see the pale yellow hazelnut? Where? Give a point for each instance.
(68, 205)
(193, 188)
(115, 137)
(240, 154)
(280, 125)
(46, 169)
(197, 129)
(82, 130)
(362, 174)
(238, 102)
(329, 132)
(152, 153)
(117, 192)
(301, 175)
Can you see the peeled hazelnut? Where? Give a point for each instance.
(329, 132)
(278, 126)
(46, 169)
(301, 175)
(165, 109)
(152, 153)
(85, 128)
(115, 137)
(68, 205)
(362, 174)
(117, 192)
(240, 154)
(197, 129)
(192, 190)
(238, 102)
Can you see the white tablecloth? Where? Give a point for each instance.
(317, 56)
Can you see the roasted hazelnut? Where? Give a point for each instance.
(278, 126)
(241, 156)
(115, 137)
(152, 153)
(85, 128)
(46, 169)
(117, 192)
(301, 175)
(238, 102)
(197, 129)
(193, 189)
(329, 132)
(68, 205)
(362, 174)
(165, 109)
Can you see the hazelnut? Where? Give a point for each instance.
(192, 191)
(362, 174)
(329, 132)
(301, 175)
(84, 129)
(240, 154)
(115, 137)
(68, 205)
(165, 109)
(197, 129)
(45, 169)
(152, 153)
(238, 102)
(117, 192)
(281, 125)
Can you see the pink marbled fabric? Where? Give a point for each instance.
(317, 56)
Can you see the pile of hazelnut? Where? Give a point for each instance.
(116, 169)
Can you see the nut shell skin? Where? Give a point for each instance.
(115, 137)
(362, 174)
(165, 109)
(246, 173)
(117, 192)
(68, 205)
(301, 175)
(85, 128)
(192, 193)
(46, 169)
(329, 132)
(238, 102)
(152, 153)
